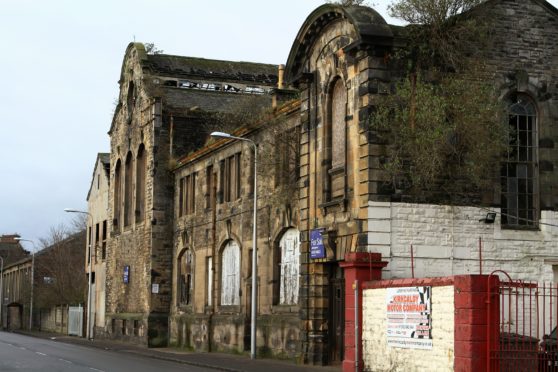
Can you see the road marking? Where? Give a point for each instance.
(22, 348)
(37, 352)
(64, 360)
(95, 369)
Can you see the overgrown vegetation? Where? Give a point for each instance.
(444, 123)
(59, 267)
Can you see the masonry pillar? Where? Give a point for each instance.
(361, 267)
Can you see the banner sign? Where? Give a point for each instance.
(126, 274)
(409, 317)
(317, 249)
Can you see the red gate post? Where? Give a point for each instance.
(361, 266)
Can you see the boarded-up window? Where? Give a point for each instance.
(338, 114)
(519, 172)
(186, 277)
(289, 267)
(230, 274)
(128, 190)
(117, 193)
(140, 183)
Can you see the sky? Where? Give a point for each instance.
(60, 64)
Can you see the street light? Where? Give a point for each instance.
(87, 332)
(254, 237)
(32, 279)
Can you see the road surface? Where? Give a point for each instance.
(25, 353)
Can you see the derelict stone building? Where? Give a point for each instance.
(180, 207)
(162, 104)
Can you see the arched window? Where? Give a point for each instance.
(519, 176)
(140, 183)
(289, 264)
(335, 140)
(117, 193)
(185, 277)
(128, 190)
(230, 274)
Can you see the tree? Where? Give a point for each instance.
(444, 122)
(59, 268)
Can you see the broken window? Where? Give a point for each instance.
(230, 274)
(117, 193)
(185, 264)
(289, 251)
(140, 183)
(519, 172)
(128, 190)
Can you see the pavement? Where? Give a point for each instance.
(217, 361)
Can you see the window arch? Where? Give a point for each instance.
(288, 263)
(185, 277)
(230, 274)
(519, 176)
(140, 183)
(128, 190)
(117, 193)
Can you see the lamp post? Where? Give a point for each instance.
(254, 245)
(32, 279)
(88, 330)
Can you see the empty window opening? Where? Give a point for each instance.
(128, 189)
(140, 183)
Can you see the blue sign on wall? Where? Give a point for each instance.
(126, 274)
(317, 249)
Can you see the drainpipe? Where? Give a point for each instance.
(355, 287)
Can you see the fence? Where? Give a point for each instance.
(522, 318)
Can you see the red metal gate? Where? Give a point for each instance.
(521, 318)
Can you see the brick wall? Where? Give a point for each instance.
(445, 241)
(459, 326)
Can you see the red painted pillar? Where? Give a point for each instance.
(361, 267)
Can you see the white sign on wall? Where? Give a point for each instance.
(409, 317)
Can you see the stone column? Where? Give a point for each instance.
(361, 266)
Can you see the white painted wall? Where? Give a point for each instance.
(445, 242)
(377, 356)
